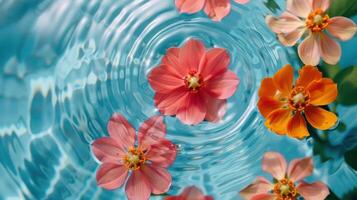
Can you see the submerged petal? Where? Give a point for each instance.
(216, 108)
(320, 118)
(189, 6)
(121, 130)
(342, 28)
(217, 9)
(193, 111)
(260, 186)
(313, 191)
(111, 176)
(159, 178)
(275, 164)
(300, 169)
(222, 86)
(151, 131)
(138, 186)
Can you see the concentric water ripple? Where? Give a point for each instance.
(80, 61)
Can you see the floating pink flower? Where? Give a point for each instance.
(145, 158)
(193, 83)
(310, 16)
(215, 9)
(287, 177)
(190, 193)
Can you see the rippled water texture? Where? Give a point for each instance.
(67, 65)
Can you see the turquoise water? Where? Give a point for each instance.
(67, 65)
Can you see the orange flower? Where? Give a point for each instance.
(284, 105)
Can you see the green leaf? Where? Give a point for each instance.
(347, 8)
(346, 80)
(351, 158)
(351, 195)
(328, 70)
(272, 5)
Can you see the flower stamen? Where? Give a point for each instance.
(317, 21)
(134, 159)
(193, 82)
(299, 98)
(285, 190)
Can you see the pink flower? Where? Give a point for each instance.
(193, 83)
(190, 193)
(215, 9)
(310, 16)
(285, 187)
(145, 157)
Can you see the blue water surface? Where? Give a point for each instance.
(67, 65)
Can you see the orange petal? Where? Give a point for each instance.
(278, 120)
(267, 105)
(297, 127)
(283, 79)
(320, 118)
(322, 92)
(267, 88)
(308, 74)
(342, 28)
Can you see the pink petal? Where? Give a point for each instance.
(285, 24)
(320, 4)
(263, 197)
(138, 187)
(217, 62)
(290, 39)
(330, 50)
(191, 55)
(222, 86)
(163, 79)
(172, 60)
(162, 153)
(151, 131)
(121, 131)
(260, 186)
(107, 150)
(314, 191)
(217, 9)
(192, 193)
(189, 6)
(300, 168)
(111, 176)
(169, 103)
(309, 50)
(216, 108)
(193, 111)
(242, 1)
(159, 178)
(301, 8)
(275, 164)
(342, 28)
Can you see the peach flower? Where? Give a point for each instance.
(143, 158)
(284, 105)
(215, 9)
(309, 16)
(190, 193)
(193, 83)
(289, 184)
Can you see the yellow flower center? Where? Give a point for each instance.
(134, 159)
(285, 190)
(317, 21)
(299, 98)
(193, 82)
